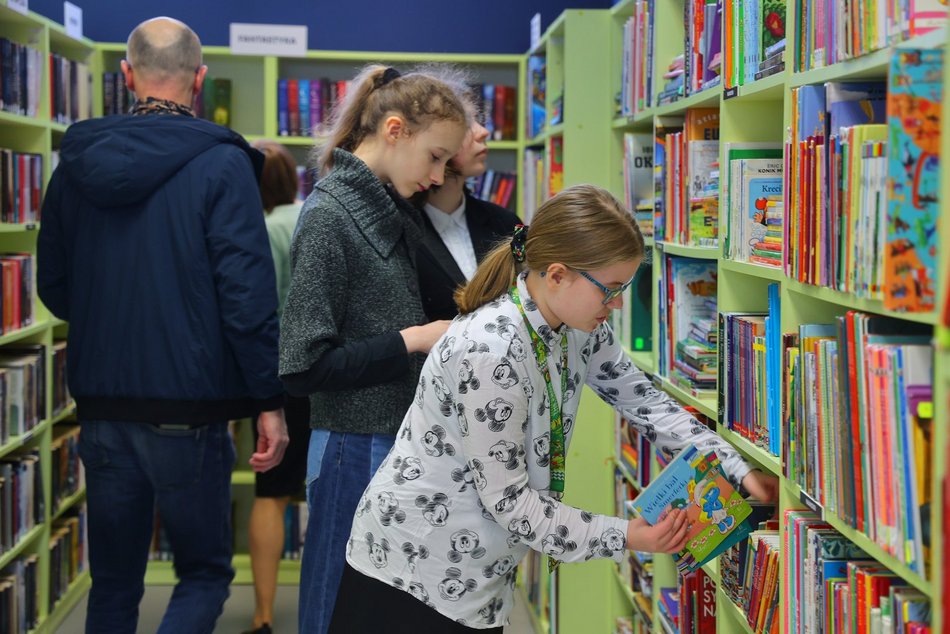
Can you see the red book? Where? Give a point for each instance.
(293, 106)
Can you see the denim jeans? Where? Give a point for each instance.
(315, 451)
(132, 469)
(348, 464)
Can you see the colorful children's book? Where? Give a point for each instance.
(696, 483)
(914, 104)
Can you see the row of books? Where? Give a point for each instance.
(831, 585)
(750, 360)
(690, 607)
(750, 577)
(305, 105)
(688, 328)
(21, 186)
(21, 497)
(67, 474)
(638, 178)
(494, 186)
(21, 78)
(535, 187)
(70, 90)
(62, 399)
(686, 178)
(829, 31)
(17, 290)
(22, 389)
(116, 96)
(19, 595)
(702, 20)
(864, 171)
(753, 197)
(69, 556)
(540, 588)
(636, 81)
(753, 32)
(859, 421)
(214, 101)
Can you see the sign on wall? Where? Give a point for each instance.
(284, 40)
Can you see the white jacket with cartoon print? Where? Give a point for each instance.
(464, 492)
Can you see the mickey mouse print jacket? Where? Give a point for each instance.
(464, 494)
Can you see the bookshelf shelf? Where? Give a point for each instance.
(21, 546)
(866, 543)
(626, 473)
(162, 573)
(870, 65)
(625, 588)
(707, 406)
(12, 227)
(504, 145)
(640, 121)
(68, 412)
(538, 140)
(8, 118)
(704, 99)
(19, 441)
(849, 301)
(735, 613)
(77, 590)
(766, 89)
(555, 130)
(754, 270)
(68, 503)
(39, 327)
(702, 253)
(771, 463)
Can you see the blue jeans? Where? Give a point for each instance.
(348, 464)
(132, 468)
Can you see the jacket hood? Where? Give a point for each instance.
(120, 160)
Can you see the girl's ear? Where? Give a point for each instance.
(555, 273)
(393, 128)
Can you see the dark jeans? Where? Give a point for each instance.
(349, 462)
(132, 468)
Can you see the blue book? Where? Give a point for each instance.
(303, 89)
(283, 117)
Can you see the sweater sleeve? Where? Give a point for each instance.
(313, 356)
(244, 277)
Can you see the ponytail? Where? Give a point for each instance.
(420, 98)
(494, 277)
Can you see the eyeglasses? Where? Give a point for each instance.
(610, 294)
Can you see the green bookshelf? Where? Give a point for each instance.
(760, 111)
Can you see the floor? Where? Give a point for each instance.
(240, 608)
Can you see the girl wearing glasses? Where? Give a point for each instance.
(477, 473)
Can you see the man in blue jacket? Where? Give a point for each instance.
(153, 248)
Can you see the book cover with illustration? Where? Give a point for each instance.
(716, 512)
(915, 93)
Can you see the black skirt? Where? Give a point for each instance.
(368, 606)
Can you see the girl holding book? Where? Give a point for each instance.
(477, 473)
(353, 331)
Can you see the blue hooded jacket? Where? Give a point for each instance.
(152, 246)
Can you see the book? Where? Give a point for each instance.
(696, 483)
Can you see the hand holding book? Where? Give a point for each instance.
(668, 536)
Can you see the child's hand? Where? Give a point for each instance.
(668, 536)
(762, 486)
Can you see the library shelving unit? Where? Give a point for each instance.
(40, 135)
(254, 78)
(757, 112)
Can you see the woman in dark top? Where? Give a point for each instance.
(459, 228)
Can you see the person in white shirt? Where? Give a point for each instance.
(477, 472)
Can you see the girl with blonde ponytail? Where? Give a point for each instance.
(477, 473)
(353, 332)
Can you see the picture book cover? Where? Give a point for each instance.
(536, 81)
(696, 483)
(915, 93)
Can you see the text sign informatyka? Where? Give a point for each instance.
(72, 20)
(20, 6)
(283, 40)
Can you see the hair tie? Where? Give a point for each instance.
(518, 240)
(388, 75)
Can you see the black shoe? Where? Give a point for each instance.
(264, 629)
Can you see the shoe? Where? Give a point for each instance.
(264, 629)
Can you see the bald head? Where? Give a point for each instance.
(164, 51)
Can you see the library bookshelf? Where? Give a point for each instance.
(761, 112)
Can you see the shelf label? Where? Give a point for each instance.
(72, 20)
(812, 504)
(729, 93)
(283, 40)
(20, 6)
(535, 31)
(30, 226)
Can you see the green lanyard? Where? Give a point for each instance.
(558, 460)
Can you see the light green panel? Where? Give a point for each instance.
(738, 292)
(751, 121)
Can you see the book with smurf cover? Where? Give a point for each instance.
(695, 482)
